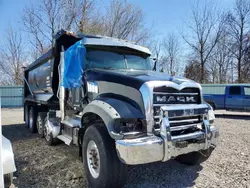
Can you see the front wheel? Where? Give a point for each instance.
(8, 178)
(101, 163)
(194, 158)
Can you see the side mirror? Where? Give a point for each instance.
(156, 65)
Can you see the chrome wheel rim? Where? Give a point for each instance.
(93, 159)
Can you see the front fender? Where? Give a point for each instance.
(110, 109)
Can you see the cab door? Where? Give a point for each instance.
(246, 97)
(234, 98)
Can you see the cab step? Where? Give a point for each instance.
(73, 122)
(66, 139)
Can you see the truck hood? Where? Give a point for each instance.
(132, 78)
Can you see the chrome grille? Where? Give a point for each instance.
(177, 125)
(165, 95)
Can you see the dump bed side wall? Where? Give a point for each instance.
(40, 76)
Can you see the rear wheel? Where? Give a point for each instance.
(101, 163)
(194, 158)
(32, 120)
(26, 115)
(40, 123)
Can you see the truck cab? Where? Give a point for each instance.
(101, 94)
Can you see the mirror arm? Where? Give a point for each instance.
(154, 68)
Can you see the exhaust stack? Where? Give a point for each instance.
(62, 89)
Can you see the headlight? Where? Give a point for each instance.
(130, 127)
(210, 116)
(157, 110)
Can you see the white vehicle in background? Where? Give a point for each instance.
(7, 157)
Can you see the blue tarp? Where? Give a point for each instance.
(73, 66)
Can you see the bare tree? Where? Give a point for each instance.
(86, 8)
(43, 20)
(88, 18)
(34, 28)
(193, 71)
(125, 21)
(171, 51)
(246, 61)
(205, 29)
(156, 47)
(221, 58)
(12, 57)
(122, 20)
(239, 25)
(213, 70)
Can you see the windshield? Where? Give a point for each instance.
(116, 60)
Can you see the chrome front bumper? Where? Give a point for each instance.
(164, 147)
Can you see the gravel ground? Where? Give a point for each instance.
(39, 165)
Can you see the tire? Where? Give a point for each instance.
(40, 123)
(112, 172)
(48, 136)
(194, 158)
(32, 120)
(8, 179)
(27, 116)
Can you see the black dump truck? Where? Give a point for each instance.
(101, 94)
